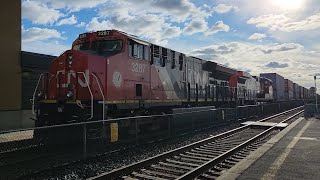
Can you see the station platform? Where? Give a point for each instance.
(293, 154)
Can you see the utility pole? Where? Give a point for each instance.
(315, 85)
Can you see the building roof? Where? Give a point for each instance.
(35, 60)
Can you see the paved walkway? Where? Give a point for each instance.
(293, 154)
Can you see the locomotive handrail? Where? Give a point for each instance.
(51, 75)
(49, 80)
(34, 93)
(85, 78)
(103, 104)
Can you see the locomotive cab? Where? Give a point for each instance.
(78, 79)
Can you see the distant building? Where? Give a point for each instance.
(32, 65)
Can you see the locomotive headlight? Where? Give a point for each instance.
(40, 93)
(70, 58)
(69, 94)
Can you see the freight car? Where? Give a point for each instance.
(266, 91)
(288, 87)
(278, 85)
(295, 91)
(300, 92)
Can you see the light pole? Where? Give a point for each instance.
(315, 85)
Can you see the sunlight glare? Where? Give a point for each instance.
(288, 4)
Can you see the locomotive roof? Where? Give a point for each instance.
(35, 60)
(210, 66)
(219, 67)
(135, 38)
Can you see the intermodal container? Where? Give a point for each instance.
(277, 85)
(288, 89)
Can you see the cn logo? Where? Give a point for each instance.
(83, 81)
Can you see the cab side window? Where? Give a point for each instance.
(146, 52)
(130, 48)
(180, 61)
(164, 56)
(155, 55)
(138, 51)
(173, 59)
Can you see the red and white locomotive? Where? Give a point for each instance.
(111, 73)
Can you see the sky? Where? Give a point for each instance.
(257, 36)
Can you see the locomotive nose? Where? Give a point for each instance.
(69, 59)
(66, 74)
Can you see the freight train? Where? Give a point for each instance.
(110, 73)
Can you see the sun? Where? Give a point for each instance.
(288, 4)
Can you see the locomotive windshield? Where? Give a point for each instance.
(103, 48)
(82, 47)
(107, 48)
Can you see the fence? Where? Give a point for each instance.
(311, 110)
(63, 143)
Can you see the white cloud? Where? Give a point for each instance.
(38, 34)
(39, 13)
(68, 21)
(217, 27)
(74, 5)
(95, 25)
(50, 48)
(223, 8)
(210, 52)
(177, 10)
(149, 27)
(271, 21)
(82, 24)
(281, 22)
(200, 25)
(153, 19)
(195, 26)
(287, 58)
(257, 36)
(310, 23)
(280, 48)
(275, 64)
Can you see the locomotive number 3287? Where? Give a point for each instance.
(139, 68)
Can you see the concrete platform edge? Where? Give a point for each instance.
(245, 163)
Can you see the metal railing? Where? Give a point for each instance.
(84, 139)
(89, 88)
(34, 93)
(102, 94)
(311, 110)
(91, 94)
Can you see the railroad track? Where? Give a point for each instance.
(285, 115)
(205, 159)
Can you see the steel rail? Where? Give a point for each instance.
(208, 165)
(130, 168)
